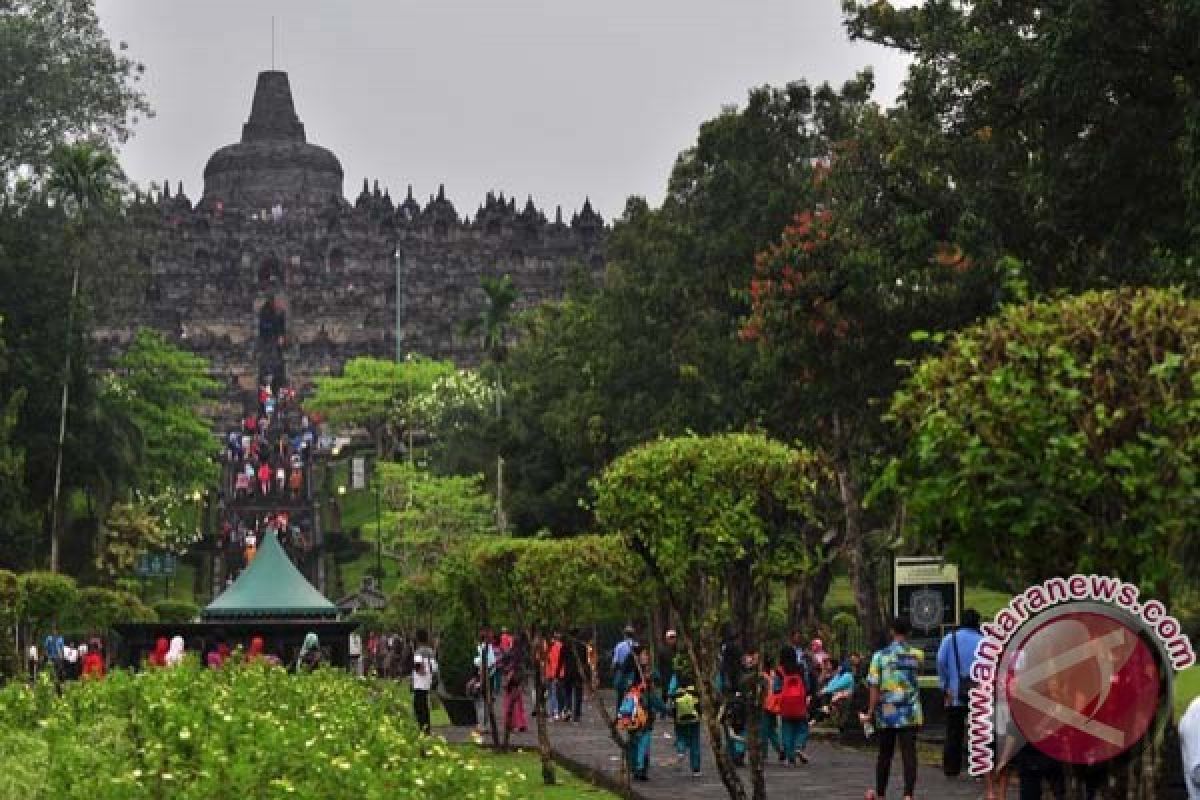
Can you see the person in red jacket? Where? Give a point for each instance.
(264, 478)
(93, 662)
(159, 657)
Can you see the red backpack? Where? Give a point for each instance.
(793, 698)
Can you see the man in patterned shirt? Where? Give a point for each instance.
(895, 706)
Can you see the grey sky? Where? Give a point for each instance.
(554, 98)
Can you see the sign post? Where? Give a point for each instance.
(926, 591)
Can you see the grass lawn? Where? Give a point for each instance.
(529, 764)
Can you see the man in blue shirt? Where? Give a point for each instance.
(955, 657)
(624, 669)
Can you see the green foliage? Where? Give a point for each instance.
(714, 508)
(244, 731)
(129, 531)
(492, 323)
(717, 521)
(1060, 436)
(379, 394)
(1070, 129)
(161, 388)
(10, 663)
(428, 514)
(60, 79)
(176, 611)
(47, 600)
(544, 583)
(653, 352)
(367, 620)
(98, 609)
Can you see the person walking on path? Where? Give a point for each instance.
(310, 653)
(895, 707)
(572, 677)
(955, 657)
(553, 677)
(486, 682)
(424, 679)
(512, 664)
(768, 730)
(685, 704)
(624, 667)
(792, 692)
(636, 713)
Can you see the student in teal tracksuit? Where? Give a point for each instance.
(649, 695)
(686, 703)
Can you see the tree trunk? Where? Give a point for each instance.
(862, 570)
(539, 709)
(806, 597)
(610, 722)
(489, 696)
(703, 655)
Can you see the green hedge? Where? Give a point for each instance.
(176, 611)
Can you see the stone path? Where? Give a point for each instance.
(834, 772)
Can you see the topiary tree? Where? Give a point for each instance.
(717, 521)
(543, 584)
(1059, 436)
(47, 599)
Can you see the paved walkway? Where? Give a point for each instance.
(834, 772)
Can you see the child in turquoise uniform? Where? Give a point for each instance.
(686, 703)
(636, 715)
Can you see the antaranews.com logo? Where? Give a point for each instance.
(1078, 667)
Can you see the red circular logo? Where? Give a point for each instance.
(1083, 688)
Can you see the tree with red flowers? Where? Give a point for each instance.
(835, 303)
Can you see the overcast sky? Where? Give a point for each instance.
(554, 98)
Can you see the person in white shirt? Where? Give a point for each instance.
(1189, 739)
(424, 679)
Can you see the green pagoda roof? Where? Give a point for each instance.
(270, 587)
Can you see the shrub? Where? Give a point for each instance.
(46, 600)
(176, 611)
(99, 609)
(245, 731)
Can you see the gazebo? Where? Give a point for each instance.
(271, 599)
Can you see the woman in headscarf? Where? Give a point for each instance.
(174, 652)
(159, 657)
(310, 654)
(256, 649)
(93, 662)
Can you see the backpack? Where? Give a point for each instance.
(631, 714)
(771, 698)
(687, 707)
(793, 698)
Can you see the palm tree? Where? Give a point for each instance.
(492, 326)
(84, 178)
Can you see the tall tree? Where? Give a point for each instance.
(1071, 129)
(379, 394)
(833, 305)
(717, 521)
(654, 351)
(60, 80)
(85, 178)
(161, 389)
(493, 326)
